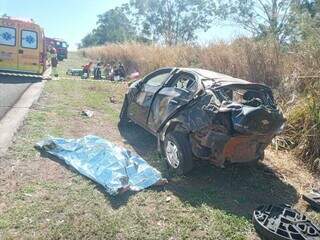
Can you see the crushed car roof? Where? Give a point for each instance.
(211, 78)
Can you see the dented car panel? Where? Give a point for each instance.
(227, 119)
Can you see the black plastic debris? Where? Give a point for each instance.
(313, 199)
(87, 113)
(283, 223)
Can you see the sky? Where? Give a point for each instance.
(73, 19)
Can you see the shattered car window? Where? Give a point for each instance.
(186, 82)
(158, 80)
(246, 96)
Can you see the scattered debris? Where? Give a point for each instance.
(168, 199)
(313, 198)
(114, 167)
(112, 99)
(75, 72)
(162, 182)
(283, 223)
(87, 113)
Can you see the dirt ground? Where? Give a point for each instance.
(42, 198)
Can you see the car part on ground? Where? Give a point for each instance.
(75, 72)
(225, 119)
(283, 223)
(87, 113)
(112, 166)
(313, 198)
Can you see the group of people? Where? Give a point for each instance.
(113, 72)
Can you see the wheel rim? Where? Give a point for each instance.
(172, 154)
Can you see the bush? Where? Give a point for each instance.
(303, 130)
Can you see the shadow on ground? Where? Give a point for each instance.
(19, 79)
(237, 189)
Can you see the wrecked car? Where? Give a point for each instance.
(200, 114)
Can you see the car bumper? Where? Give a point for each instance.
(219, 148)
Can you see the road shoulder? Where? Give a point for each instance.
(14, 118)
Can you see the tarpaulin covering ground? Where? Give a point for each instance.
(112, 166)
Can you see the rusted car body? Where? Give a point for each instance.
(196, 112)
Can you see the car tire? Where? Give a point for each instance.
(178, 153)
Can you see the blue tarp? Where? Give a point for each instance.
(112, 166)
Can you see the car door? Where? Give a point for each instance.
(29, 51)
(8, 47)
(179, 91)
(138, 109)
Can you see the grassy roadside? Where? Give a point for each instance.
(41, 198)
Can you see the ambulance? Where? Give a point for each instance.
(22, 46)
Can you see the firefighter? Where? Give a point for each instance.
(86, 70)
(53, 57)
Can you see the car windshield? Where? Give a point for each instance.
(61, 44)
(246, 95)
(58, 44)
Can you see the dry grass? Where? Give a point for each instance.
(255, 61)
(303, 130)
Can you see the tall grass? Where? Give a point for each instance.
(303, 129)
(255, 61)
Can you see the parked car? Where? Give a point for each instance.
(203, 114)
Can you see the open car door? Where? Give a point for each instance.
(139, 107)
(179, 91)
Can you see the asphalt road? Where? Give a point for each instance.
(11, 88)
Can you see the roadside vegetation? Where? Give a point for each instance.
(42, 198)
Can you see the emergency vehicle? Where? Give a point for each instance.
(22, 46)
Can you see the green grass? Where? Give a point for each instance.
(46, 200)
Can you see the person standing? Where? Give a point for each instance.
(53, 60)
(122, 71)
(86, 70)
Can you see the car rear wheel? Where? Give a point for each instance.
(177, 150)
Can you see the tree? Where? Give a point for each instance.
(112, 26)
(307, 20)
(171, 21)
(263, 18)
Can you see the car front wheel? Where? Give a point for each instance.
(178, 153)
